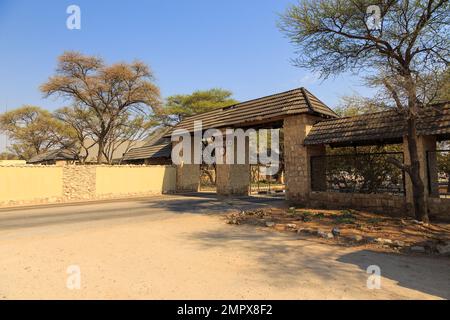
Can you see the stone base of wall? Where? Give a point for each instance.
(379, 203)
(439, 208)
(56, 201)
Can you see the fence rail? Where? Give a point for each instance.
(265, 184)
(358, 173)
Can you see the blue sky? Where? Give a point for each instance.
(190, 45)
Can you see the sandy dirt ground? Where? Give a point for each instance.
(180, 248)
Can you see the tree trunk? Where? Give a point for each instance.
(420, 204)
(100, 155)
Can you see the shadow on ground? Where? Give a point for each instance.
(429, 275)
(287, 261)
(157, 208)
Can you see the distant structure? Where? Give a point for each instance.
(156, 151)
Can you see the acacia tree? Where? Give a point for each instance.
(355, 105)
(127, 131)
(104, 91)
(401, 49)
(78, 119)
(178, 107)
(8, 156)
(34, 130)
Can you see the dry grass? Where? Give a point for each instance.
(351, 223)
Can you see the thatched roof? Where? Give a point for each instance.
(381, 127)
(155, 147)
(149, 152)
(266, 109)
(54, 155)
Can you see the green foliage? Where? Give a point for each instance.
(374, 220)
(34, 130)
(178, 107)
(356, 105)
(103, 96)
(8, 156)
(444, 90)
(345, 217)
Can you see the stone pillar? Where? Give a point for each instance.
(234, 179)
(188, 176)
(297, 157)
(428, 169)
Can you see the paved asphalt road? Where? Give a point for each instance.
(179, 247)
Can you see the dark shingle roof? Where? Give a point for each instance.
(156, 147)
(386, 126)
(54, 155)
(279, 105)
(157, 137)
(149, 152)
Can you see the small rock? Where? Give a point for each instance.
(357, 238)
(270, 224)
(336, 232)
(233, 221)
(383, 241)
(399, 243)
(418, 249)
(291, 226)
(443, 249)
(370, 239)
(326, 235)
(306, 230)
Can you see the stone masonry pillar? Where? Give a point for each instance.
(234, 179)
(297, 157)
(188, 176)
(425, 144)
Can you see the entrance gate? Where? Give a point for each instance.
(265, 184)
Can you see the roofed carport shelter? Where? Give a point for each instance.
(296, 111)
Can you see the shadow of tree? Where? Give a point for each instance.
(287, 262)
(157, 208)
(281, 257)
(425, 274)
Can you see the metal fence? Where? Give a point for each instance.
(265, 184)
(438, 166)
(208, 178)
(358, 173)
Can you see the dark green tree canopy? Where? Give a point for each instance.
(178, 107)
(33, 130)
